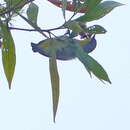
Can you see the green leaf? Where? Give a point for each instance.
(32, 13)
(1, 35)
(1, 10)
(14, 6)
(92, 3)
(64, 5)
(92, 65)
(8, 53)
(14, 2)
(95, 29)
(54, 79)
(99, 11)
(74, 25)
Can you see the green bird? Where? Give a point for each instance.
(65, 50)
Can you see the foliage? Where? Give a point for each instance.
(64, 47)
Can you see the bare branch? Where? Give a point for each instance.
(32, 30)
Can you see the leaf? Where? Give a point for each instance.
(8, 53)
(92, 65)
(14, 6)
(99, 11)
(64, 5)
(14, 2)
(74, 25)
(1, 35)
(54, 79)
(32, 13)
(92, 3)
(95, 29)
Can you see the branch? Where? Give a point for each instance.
(32, 30)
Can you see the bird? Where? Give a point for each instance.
(67, 52)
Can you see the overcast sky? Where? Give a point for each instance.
(85, 103)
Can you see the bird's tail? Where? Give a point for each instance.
(34, 47)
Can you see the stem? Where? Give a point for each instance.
(38, 29)
(32, 30)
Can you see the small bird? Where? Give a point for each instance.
(66, 52)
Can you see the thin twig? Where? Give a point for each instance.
(32, 30)
(38, 29)
(72, 16)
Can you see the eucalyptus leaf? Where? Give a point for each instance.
(32, 12)
(1, 35)
(95, 29)
(64, 5)
(99, 11)
(92, 65)
(8, 53)
(14, 2)
(74, 26)
(54, 78)
(92, 3)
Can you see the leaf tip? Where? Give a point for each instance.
(109, 81)
(54, 120)
(9, 86)
(121, 4)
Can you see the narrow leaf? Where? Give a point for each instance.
(74, 25)
(92, 65)
(64, 5)
(54, 80)
(8, 53)
(99, 11)
(15, 4)
(32, 13)
(95, 29)
(0, 33)
(92, 3)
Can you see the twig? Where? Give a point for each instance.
(38, 29)
(32, 30)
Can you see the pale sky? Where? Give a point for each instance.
(85, 103)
